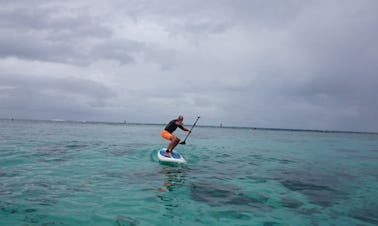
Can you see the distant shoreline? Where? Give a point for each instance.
(208, 126)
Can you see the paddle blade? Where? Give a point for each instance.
(183, 142)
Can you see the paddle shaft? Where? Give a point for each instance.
(183, 142)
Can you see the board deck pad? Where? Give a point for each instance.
(175, 156)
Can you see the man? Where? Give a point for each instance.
(167, 133)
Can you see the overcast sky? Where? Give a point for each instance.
(306, 64)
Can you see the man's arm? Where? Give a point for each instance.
(183, 128)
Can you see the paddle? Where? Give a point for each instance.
(183, 142)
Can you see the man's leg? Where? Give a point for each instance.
(170, 146)
(174, 141)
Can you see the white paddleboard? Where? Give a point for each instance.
(175, 156)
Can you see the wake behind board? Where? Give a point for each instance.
(175, 156)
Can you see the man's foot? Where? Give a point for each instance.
(167, 154)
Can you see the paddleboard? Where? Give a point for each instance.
(175, 156)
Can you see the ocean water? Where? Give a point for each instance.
(70, 173)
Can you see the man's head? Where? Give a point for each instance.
(180, 118)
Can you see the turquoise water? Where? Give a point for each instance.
(66, 173)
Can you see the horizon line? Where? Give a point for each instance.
(212, 126)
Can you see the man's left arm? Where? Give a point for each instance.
(183, 128)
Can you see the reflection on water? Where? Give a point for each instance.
(174, 177)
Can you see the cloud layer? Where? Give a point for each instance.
(295, 64)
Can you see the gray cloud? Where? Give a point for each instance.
(40, 96)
